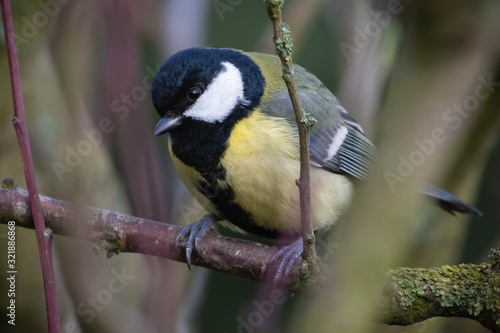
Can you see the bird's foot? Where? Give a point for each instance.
(196, 231)
(287, 257)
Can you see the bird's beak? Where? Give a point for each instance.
(166, 124)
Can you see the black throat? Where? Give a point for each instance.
(200, 144)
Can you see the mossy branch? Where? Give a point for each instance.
(410, 295)
(466, 290)
(283, 47)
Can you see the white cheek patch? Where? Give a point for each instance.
(221, 96)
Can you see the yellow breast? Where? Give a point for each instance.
(262, 164)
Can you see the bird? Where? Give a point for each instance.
(234, 142)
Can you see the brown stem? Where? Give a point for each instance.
(43, 237)
(283, 44)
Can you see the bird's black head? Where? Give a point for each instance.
(205, 85)
(201, 93)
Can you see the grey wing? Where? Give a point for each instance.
(337, 142)
(342, 148)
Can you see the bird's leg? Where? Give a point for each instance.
(287, 257)
(196, 232)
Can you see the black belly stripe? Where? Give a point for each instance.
(223, 200)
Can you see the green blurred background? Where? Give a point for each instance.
(397, 66)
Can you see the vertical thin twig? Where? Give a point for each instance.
(304, 120)
(43, 235)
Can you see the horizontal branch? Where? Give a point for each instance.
(411, 295)
(115, 233)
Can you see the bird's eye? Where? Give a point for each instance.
(194, 93)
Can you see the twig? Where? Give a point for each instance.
(305, 121)
(43, 236)
(410, 295)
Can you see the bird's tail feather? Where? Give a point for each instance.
(449, 202)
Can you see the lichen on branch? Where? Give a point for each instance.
(466, 290)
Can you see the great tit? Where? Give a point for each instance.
(234, 142)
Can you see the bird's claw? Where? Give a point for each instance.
(196, 231)
(288, 256)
